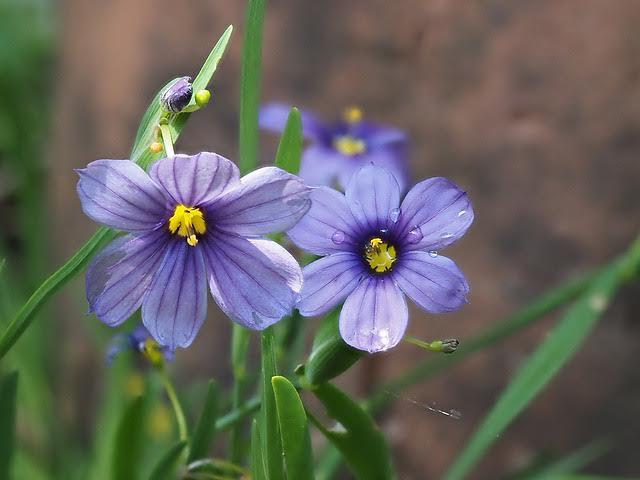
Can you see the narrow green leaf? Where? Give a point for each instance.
(257, 461)
(294, 432)
(571, 463)
(129, 441)
(8, 389)
(557, 348)
(290, 146)
(205, 430)
(562, 476)
(250, 85)
(355, 435)
(330, 355)
(270, 433)
(239, 347)
(168, 464)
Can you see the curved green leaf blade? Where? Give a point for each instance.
(355, 435)
(269, 431)
(129, 441)
(205, 430)
(557, 348)
(8, 389)
(257, 461)
(290, 146)
(166, 467)
(294, 432)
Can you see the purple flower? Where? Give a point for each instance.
(377, 250)
(190, 221)
(340, 149)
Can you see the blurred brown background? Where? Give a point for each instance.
(532, 106)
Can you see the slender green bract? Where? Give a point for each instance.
(290, 147)
(139, 154)
(294, 432)
(8, 389)
(557, 348)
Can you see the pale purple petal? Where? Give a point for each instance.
(396, 164)
(328, 226)
(435, 213)
(119, 276)
(434, 283)
(322, 166)
(267, 200)
(175, 307)
(193, 180)
(255, 282)
(375, 315)
(119, 194)
(328, 281)
(372, 195)
(273, 117)
(386, 137)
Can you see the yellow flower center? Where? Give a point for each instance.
(380, 255)
(187, 222)
(348, 145)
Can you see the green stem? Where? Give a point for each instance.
(166, 139)
(175, 404)
(238, 414)
(239, 348)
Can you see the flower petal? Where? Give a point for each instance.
(120, 275)
(119, 194)
(255, 282)
(375, 315)
(273, 117)
(328, 281)
(435, 284)
(435, 213)
(371, 195)
(328, 226)
(394, 161)
(322, 166)
(193, 180)
(268, 200)
(176, 305)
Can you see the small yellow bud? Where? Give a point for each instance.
(156, 147)
(203, 97)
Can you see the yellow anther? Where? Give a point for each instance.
(187, 222)
(152, 351)
(352, 114)
(348, 145)
(380, 255)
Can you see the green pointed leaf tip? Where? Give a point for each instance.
(290, 147)
(294, 431)
(168, 464)
(355, 435)
(558, 347)
(269, 430)
(8, 389)
(205, 430)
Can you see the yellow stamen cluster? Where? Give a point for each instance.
(153, 352)
(352, 114)
(380, 255)
(187, 222)
(348, 145)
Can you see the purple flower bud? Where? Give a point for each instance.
(177, 96)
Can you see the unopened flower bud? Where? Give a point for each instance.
(448, 345)
(203, 97)
(177, 96)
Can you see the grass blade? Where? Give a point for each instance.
(257, 461)
(294, 432)
(290, 147)
(166, 467)
(8, 389)
(269, 430)
(129, 441)
(205, 430)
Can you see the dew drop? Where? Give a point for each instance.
(446, 235)
(433, 253)
(462, 212)
(384, 231)
(394, 215)
(415, 235)
(337, 237)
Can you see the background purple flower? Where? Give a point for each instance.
(377, 250)
(340, 149)
(191, 221)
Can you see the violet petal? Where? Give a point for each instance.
(371, 195)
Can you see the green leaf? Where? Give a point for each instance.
(557, 348)
(257, 461)
(294, 432)
(146, 131)
(330, 355)
(205, 430)
(290, 146)
(250, 85)
(355, 435)
(168, 464)
(239, 347)
(270, 433)
(129, 441)
(8, 389)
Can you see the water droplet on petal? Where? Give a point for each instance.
(394, 215)
(337, 237)
(433, 253)
(384, 231)
(461, 213)
(383, 336)
(414, 235)
(446, 235)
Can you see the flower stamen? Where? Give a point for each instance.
(187, 222)
(348, 145)
(380, 255)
